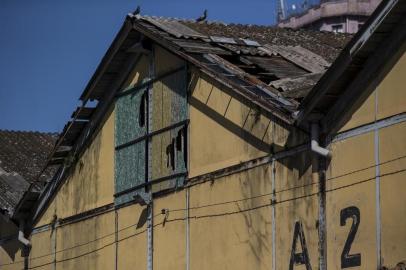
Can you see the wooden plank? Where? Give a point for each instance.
(82, 113)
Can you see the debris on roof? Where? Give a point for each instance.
(325, 44)
(297, 87)
(250, 59)
(274, 68)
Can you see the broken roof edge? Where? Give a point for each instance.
(343, 61)
(277, 112)
(113, 48)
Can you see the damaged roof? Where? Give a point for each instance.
(22, 156)
(325, 44)
(272, 67)
(251, 59)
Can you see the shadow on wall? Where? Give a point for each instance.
(273, 137)
(257, 223)
(86, 169)
(265, 133)
(257, 182)
(12, 246)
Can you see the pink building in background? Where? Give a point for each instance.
(344, 16)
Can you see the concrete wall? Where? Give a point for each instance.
(263, 216)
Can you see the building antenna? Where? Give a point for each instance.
(281, 10)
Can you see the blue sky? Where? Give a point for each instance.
(49, 49)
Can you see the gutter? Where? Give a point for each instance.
(319, 164)
(21, 238)
(315, 146)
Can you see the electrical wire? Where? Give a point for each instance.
(292, 188)
(228, 213)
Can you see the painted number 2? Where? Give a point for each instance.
(347, 259)
(350, 260)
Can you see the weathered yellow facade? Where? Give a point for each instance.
(249, 203)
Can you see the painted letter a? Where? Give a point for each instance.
(303, 256)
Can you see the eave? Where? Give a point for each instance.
(359, 68)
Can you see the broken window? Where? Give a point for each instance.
(170, 155)
(150, 137)
(181, 144)
(142, 113)
(176, 151)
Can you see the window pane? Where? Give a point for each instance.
(128, 117)
(129, 169)
(169, 100)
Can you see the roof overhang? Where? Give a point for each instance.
(360, 67)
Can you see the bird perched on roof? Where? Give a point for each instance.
(203, 17)
(137, 11)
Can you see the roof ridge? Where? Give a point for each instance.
(218, 22)
(208, 22)
(187, 20)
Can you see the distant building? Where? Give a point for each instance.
(341, 16)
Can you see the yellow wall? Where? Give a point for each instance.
(296, 201)
(351, 182)
(10, 251)
(387, 99)
(391, 91)
(224, 131)
(170, 229)
(353, 173)
(43, 255)
(12, 260)
(132, 238)
(91, 183)
(89, 244)
(233, 235)
(392, 152)
(139, 73)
